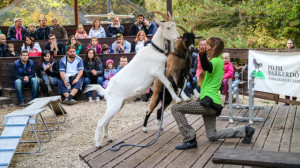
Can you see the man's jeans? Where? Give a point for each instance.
(189, 89)
(19, 84)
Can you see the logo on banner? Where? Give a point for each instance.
(257, 73)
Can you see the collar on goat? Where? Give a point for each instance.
(157, 48)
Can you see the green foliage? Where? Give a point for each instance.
(241, 24)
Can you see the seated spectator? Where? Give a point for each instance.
(123, 63)
(49, 72)
(150, 27)
(43, 31)
(115, 28)
(11, 50)
(137, 26)
(139, 42)
(31, 32)
(58, 30)
(81, 33)
(34, 49)
(94, 44)
(189, 88)
(290, 44)
(97, 30)
(106, 49)
(71, 72)
(109, 72)
(16, 31)
(24, 75)
(3, 45)
(73, 41)
(55, 47)
(121, 45)
(93, 72)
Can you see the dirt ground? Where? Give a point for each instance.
(77, 133)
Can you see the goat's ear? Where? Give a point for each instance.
(158, 22)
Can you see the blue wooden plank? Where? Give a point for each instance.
(7, 137)
(3, 164)
(11, 125)
(6, 150)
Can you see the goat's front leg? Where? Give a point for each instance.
(169, 86)
(105, 133)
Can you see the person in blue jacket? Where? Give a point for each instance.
(24, 75)
(43, 31)
(115, 28)
(150, 27)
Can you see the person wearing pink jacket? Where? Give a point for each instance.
(81, 33)
(228, 73)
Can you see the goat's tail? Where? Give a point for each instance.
(96, 87)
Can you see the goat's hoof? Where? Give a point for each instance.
(186, 99)
(178, 100)
(158, 122)
(145, 130)
(109, 140)
(98, 146)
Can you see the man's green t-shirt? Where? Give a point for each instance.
(212, 81)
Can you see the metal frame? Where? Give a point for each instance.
(233, 89)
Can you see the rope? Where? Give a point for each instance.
(135, 145)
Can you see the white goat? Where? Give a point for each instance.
(136, 77)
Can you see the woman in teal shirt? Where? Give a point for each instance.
(73, 41)
(209, 105)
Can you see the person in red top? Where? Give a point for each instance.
(202, 42)
(228, 73)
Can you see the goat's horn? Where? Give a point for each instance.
(170, 16)
(162, 14)
(182, 28)
(192, 29)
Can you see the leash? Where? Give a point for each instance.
(135, 145)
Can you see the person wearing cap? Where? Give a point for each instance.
(121, 45)
(16, 31)
(115, 28)
(109, 72)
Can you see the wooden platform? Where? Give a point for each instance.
(280, 132)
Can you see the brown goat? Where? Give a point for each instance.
(178, 68)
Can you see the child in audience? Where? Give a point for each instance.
(11, 50)
(95, 45)
(34, 49)
(81, 33)
(106, 49)
(109, 72)
(73, 41)
(228, 74)
(93, 72)
(31, 32)
(123, 63)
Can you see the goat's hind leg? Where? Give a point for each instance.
(168, 100)
(111, 110)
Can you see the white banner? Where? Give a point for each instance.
(275, 72)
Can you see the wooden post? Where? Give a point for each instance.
(169, 9)
(76, 12)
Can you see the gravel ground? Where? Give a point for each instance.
(77, 133)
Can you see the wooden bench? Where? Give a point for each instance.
(6, 80)
(256, 158)
(71, 29)
(85, 42)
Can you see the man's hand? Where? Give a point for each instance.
(66, 84)
(26, 79)
(75, 81)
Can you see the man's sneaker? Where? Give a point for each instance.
(97, 99)
(91, 100)
(72, 101)
(249, 133)
(22, 104)
(66, 101)
(49, 89)
(187, 145)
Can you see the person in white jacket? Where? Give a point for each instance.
(34, 49)
(97, 30)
